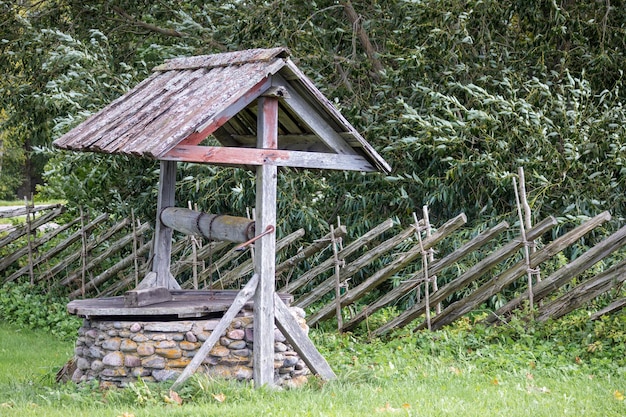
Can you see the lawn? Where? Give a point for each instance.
(428, 375)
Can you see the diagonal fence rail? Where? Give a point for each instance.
(384, 267)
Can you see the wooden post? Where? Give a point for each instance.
(135, 256)
(83, 256)
(431, 254)
(162, 233)
(529, 270)
(418, 232)
(265, 247)
(337, 279)
(29, 241)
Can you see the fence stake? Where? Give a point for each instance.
(337, 279)
(83, 255)
(527, 213)
(29, 242)
(418, 232)
(135, 258)
(529, 270)
(431, 253)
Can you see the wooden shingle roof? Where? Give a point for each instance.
(169, 115)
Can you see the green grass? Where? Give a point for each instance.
(410, 375)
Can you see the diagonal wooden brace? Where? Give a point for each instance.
(242, 298)
(301, 343)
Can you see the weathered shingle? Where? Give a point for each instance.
(216, 94)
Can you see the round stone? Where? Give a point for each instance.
(278, 336)
(290, 361)
(140, 338)
(172, 353)
(280, 347)
(237, 344)
(135, 327)
(82, 364)
(202, 336)
(95, 352)
(164, 375)
(220, 351)
(128, 346)
(236, 334)
(156, 362)
(112, 344)
(113, 359)
(190, 337)
(96, 365)
(165, 344)
(188, 345)
(242, 352)
(131, 361)
(145, 349)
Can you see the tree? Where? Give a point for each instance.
(455, 94)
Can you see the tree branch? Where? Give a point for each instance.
(370, 51)
(145, 25)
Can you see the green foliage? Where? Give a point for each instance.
(36, 308)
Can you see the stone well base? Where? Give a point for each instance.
(117, 352)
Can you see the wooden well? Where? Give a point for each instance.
(265, 113)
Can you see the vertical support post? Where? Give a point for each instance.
(162, 233)
(265, 247)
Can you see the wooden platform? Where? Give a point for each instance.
(184, 304)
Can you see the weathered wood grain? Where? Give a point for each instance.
(350, 269)
(560, 277)
(265, 247)
(393, 267)
(163, 234)
(217, 227)
(583, 293)
(477, 271)
(342, 254)
(498, 283)
(301, 343)
(146, 297)
(417, 278)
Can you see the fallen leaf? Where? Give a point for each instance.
(387, 409)
(619, 396)
(6, 405)
(406, 406)
(529, 376)
(219, 397)
(495, 381)
(174, 398)
(126, 415)
(455, 370)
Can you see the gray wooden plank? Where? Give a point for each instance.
(301, 343)
(265, 247)
(163, 234)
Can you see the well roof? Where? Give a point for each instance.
(187, 99)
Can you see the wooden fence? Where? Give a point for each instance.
(78, 256)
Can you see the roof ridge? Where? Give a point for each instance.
(223, 59)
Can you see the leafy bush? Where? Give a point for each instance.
(32, 307)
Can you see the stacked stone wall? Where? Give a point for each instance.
(117, 352)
